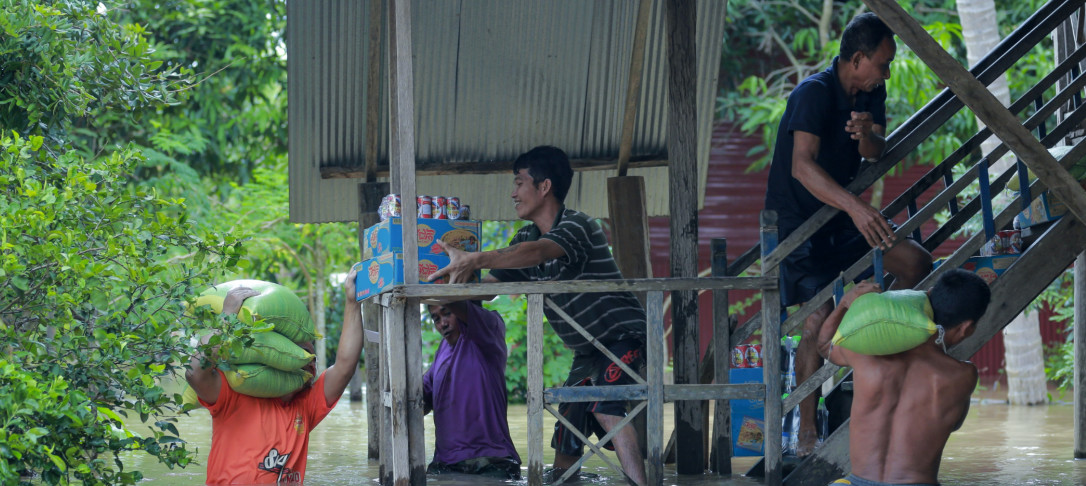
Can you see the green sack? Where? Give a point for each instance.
(275, 350)
(264, 381)
(887, 323)
(1077, 169)
(276, 304)
(190, 398)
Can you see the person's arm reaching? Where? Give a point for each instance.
(463, 264)
(839, 356)
(806, 170)
(339, 375)
(206, 382)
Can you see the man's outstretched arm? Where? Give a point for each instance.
(339, 375)
(462, 265)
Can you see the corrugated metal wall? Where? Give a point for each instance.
(493, 78)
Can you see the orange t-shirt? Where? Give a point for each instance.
(262, 440)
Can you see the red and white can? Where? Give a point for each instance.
(426, 207)
(739, 356)
(453, 207)
(754, 356)
(441, 209)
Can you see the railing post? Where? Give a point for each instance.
(535, 390)
(720, 458)
(654, 357)
(1080, 357)
(771, 338)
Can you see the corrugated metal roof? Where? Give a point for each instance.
(492, 79)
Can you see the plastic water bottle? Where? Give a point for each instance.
(787, 432)
(823, 419)
(794, 415)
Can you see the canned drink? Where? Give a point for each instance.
(426, 207)
(739, 356)
(453, 207)
(465, 212)
(395, 206)
(1016, 245)
(382, 210)
(754, 356)
(441, 209)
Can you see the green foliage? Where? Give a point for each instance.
(93, 281)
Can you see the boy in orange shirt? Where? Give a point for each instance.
(265, 440)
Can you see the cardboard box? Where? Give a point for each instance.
(387, 236)
(748, 417)
(988, 267)
(1042, 210)
(382, 272)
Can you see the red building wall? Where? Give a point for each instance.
(733, 201)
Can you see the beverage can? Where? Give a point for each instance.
(465, 212)
(382, 210)
(453, 207)
(739, 356)
(754, 356)
(1012, 241)
(426, 207)
(395, 206)
(441, 210)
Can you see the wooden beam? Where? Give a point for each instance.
(586, 286)
(633, 87)
(350, 170)
(720, 455)
(369, 195)
(629, 227)
(984, 105)
(655, 362)
(398, 462)
(771, 352)
(682, 132)
(535, 390)
(672, 393)
(373, 88)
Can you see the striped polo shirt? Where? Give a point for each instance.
(610, 317)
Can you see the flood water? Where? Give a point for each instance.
(998, 445)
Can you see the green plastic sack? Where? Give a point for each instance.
(264, 381)
(276, 304)
(1076, 169)
(887, 323)
(189, 397)
(275, 350)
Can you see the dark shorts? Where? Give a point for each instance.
(494, 467)
(858, 481)
(595, 370)
(822, 258)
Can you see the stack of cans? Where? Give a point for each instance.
(747, 356)
(442, 207)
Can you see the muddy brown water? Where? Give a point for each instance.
(999, 444)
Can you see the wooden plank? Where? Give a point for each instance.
(535, 390)
(592, 340)
(416, 431)
(655, 361)
(722, 392)
(827, 463)
(629, 227)
(368, 195)
(402, 129)
(771, 354)
(1080, 357)
(672, 393)
(373, 87)
(633, 86)
(682, 132)
(984, 105)
(585, 286)
(490, 167)
(398, 465)
(720, 455)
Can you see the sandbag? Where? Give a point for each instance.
(276, 305)
(189, 397)
(886, 323)
(264, 381)
(275, 350)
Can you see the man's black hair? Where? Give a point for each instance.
(547, 162)
(959, 296)
(863, 33)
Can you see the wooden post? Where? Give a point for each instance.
(1080, 356)
(720, 459)
(535, 390)
(633, 88)
(402, 167)
(771, 354)
(369, 197)
(683, 204)
(397, 373)
(654, 357)
(385, 400)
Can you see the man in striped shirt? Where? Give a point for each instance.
(563, 244)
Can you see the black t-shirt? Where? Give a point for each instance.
(820, 106)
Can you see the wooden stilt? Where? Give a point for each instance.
(720, 457)
(369, 198)
(771, 355)
(1080, 357)
(535, 389)
(393, 337)
(654, 357)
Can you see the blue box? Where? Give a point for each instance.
(987, 267)
(387, 236)
(382, 272)
(1042, 210)
(748, 417)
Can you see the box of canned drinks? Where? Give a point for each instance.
(382, 272)
(387, 236)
